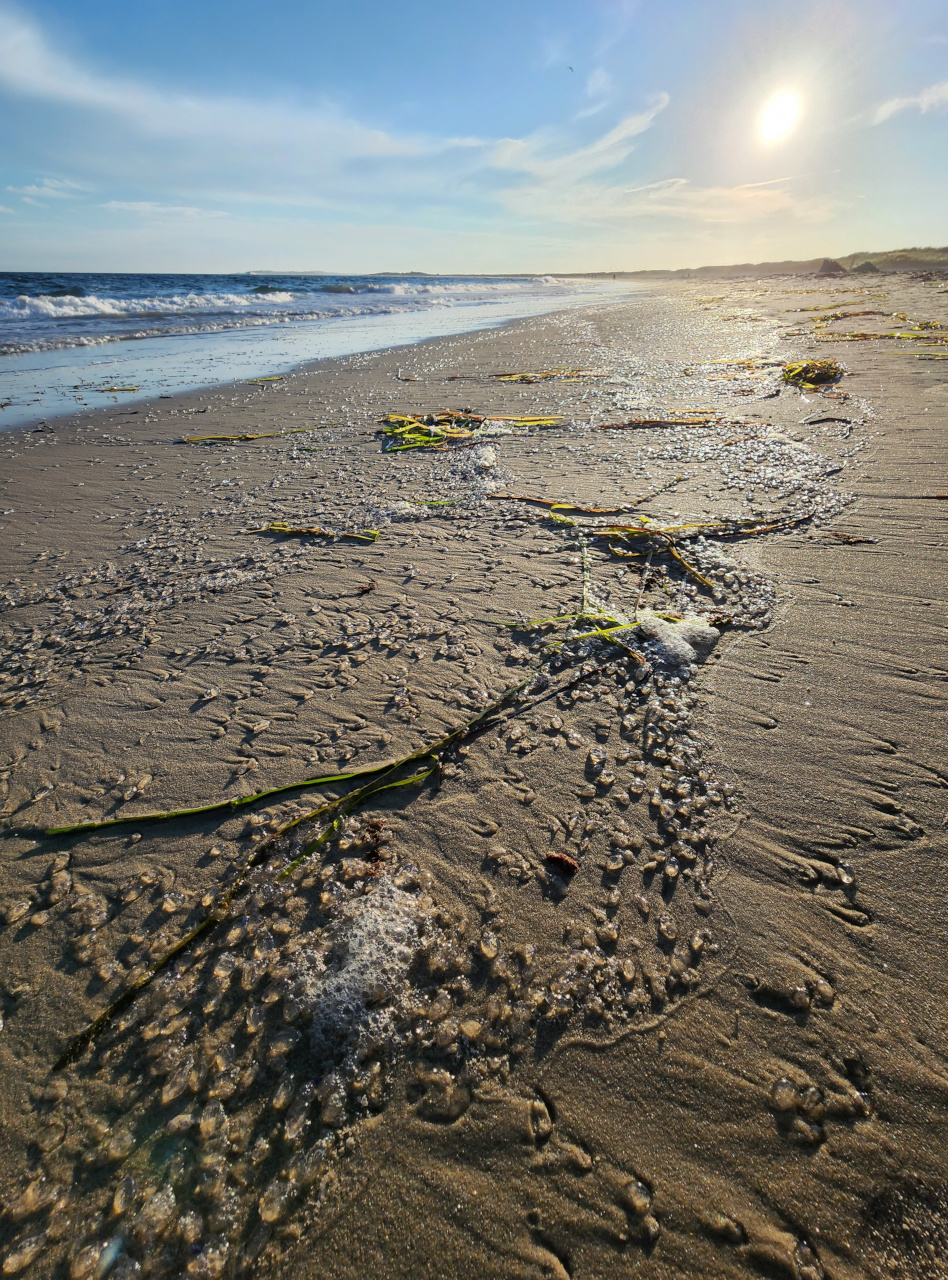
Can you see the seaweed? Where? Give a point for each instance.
(215, 915)
(557, 505)
(875, 297)
(259, 435)
(333, 813)
(220, 806)
(666, 539)
(923, 334)
(646, 424)
(568, 374)
(445, 429)
(313, 531)
(554, 505)
(851, 337)
(846, 315)
(709, 528)
(811, 374)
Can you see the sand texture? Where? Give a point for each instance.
(640, 974)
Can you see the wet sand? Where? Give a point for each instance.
(718, 1047)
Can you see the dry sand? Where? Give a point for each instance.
(431, 1051)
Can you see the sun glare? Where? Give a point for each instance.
(779, 116)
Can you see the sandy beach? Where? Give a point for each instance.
(641, 974)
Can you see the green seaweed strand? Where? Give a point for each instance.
(238, 802)
(339, 808)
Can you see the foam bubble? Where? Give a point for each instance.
(356, 989)
(678, 644)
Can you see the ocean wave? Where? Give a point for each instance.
(52, 313)
(489, 288)
(56, 307)
(66, 341)
(263, 299)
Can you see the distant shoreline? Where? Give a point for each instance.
(885, 260)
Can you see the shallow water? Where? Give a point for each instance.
(67, 353)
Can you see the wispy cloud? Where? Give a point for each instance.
(598, 83)
(930, 99)
(255, 157)
(306, 155)
(153, 209)
(594, 203)
(49, 189)
(747, 202)
(30, 67)
(182, 149)
(582, 186)
(540, 156)
(616, 17)
(599, 90)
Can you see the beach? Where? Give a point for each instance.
(642, 970)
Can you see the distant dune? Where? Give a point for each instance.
(928, 259)
(919, 259)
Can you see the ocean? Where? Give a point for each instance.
(76, 341)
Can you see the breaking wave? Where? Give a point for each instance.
(51, 312)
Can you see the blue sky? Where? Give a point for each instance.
(489, 136)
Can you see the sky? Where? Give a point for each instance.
(491, 136)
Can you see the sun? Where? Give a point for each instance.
(779, 116)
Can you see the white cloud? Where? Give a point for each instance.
(748, 202)
(537, 155)
(616, 17)
(930, 99)
(598, 90)
(153, 209)
(573, 186)
(673, 198)
(284, 153)
(29, 67)
(598, 83)
(4, 209)
(49, 189)
(251, 156)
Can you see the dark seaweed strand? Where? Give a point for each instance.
(214, 916)
(261, 855)
(237, 802)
